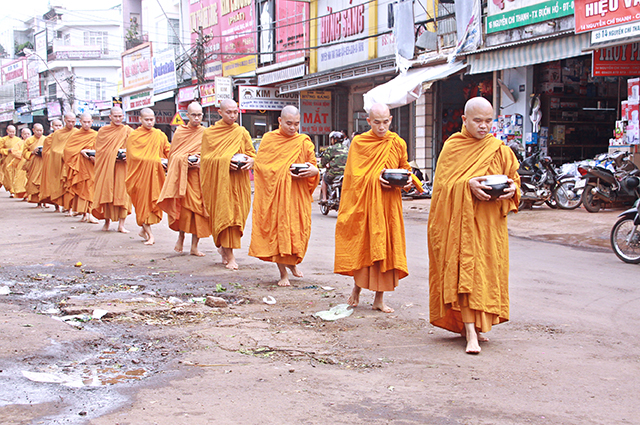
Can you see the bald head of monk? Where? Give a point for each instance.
(69, 120)
(25, 133)
(478, 117)
(86, 121)
(38, 130)
(116, 116)
(379, 119)
(289, 120)
(228, 111)
(147, 118)
(56, 125)
(194, 112)
(11, 131)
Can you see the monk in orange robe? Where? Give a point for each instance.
(8, 172)
(467, 231)
(370, 242)
(146, 147)
(228, 198)
(33, 164)
(46, 150)
(282, 199)
(111, 202)
(53, 171)
(181, 196)
(16, 165)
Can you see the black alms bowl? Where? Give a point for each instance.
(240, 160)
(296, 168)
(396, 176)
(38, 151)
(90, 152)
(122, 154)
(498, 184)
(192, 158)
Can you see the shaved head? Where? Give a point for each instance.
(56, 125)
(147, 118)
(194, 113)
(37, 126)
(228, 103)
(228, 111)
(289, 121)
(289, 111)
(478, 117)
(116, 110)
(379, 119)
(69, 120)
(476, 104)
(146, 112)
(70, 115)
(38, 130)
(379, 109)
(116, 116)
(25, 133)
(86, 121)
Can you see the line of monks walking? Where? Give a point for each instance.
(205, 192)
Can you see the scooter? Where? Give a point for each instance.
(334, 191)
(625, 235)
(540, 182)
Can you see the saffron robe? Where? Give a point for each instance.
(281, 218)
(80, 181)
(33, 167)
(8, 172)
(227, 193)
(17, 162)
(53, 171)
(467, 238)
(145, 173)
(181, 195)
(111, 200)
(370, 227)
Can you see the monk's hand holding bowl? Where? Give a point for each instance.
(478, 189)
(249, 164)
(90, 158)
(195, 164)
(305, 173)
(510, 191)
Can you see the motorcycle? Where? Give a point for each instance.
(625, 235)
(541, 183)
(333, 196)
(613, 180)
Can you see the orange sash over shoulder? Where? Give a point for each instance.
(110, 174)
(227, 194)
(80, 170)
(145, 173)
(281, 204)
(52, 186)
(181, 189)
(370, 227)
(467, 238)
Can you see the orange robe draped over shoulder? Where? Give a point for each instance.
(33, 167)
(227, 193)
(17, 162)
(181, 195)
(53, 171)
(370, 227)
(145, 173)
(8, 171)
(467, 238)
(80, 181)
(110, 199)
(281, 215)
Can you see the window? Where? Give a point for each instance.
(97, 38)
(67, 39)
(94, 88)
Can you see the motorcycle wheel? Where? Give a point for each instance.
(324, 208)
(552, 203)
(626, 250)
(566, 198)
(590, 202)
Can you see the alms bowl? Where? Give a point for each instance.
(38, 151)
(498, 183)
(396, 176)
(122, 154)
(193, 158)
(240, 160)
(90, 152)
(296, 168)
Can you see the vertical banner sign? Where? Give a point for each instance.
(292, 29)
(617, 61)
(207, 94)
(33, 77)
(164, 71)
(266, 33)
(238, 26)
(315, 111)
(40, 40)
(224, 89)
(593, 15)
(342, 21)
(136, 67)
(206, 14)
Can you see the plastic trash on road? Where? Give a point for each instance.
(335, 313)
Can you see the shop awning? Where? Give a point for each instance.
(406, 88)
(529, 54)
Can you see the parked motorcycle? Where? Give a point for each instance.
(613, 180)
(334, 191)
(541, 183)
(625, 235)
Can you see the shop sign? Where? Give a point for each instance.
(615, 33)
(6, 116)
(206, 14)
(14, 72)
(75, 52)
(207, 94)
(136, 67)
(23, 109)
(265, 98)
(315, 112)
(40, 40)
(163, 116)
(7, 106)
(506, 15)
(237, 27)
(164, 71)
(38, 103)
(33, 82)
(89, 107)
(187, 94)
(138, 100)
(592, 15)
(224, 89)
(292, 29)
(282, 75)
(54, 110)
(617, 60)
(342, 21)
(25, 118)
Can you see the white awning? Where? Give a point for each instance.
(406, 88)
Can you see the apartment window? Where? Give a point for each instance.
(97, 38)
(67, 39)
(95, 89)
(53, 89)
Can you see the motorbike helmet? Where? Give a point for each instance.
(338, 135)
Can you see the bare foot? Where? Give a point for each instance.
(223, 254)
(150, 241)
(69, 213)
(284, 276)
(179, 243)
(482, 338)
(231, 259)
(295, 271)
(91, 219)
(354, 299)
(197, 253)
(378, 304)
(121, 228)
(107, 222)
(472, 339)
(84, 219)
(143, 234)
(56, 209)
